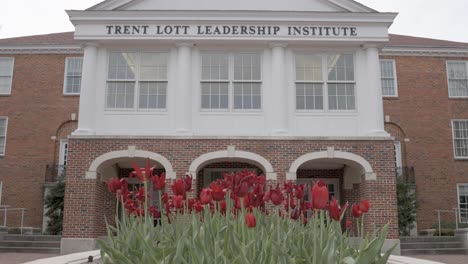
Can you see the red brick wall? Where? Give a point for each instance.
(424, 112)
(80, 199)
(36, 109)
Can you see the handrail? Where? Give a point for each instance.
(6, 208)
(457, 212)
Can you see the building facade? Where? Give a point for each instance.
(294, 92)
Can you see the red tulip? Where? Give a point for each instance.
(178, 202)
(159, 182)
(217, 191)
(335, 211)
(291, 202)
(275, 195)
(205, 196)
(348, 224)
(299, 191)
(295, 214)
(364, 206)
(191, 204)
(223, 207)
(114, 185)
(198, 207)
(139, 173)
(155, 213)
(250, 220)
(165, 198)
(242, 188)
(319, 196)
(357, 212)
(288, 187)
(178, 187)
(140, 196)
(188, 182)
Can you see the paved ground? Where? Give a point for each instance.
(16, 258)
(449, 259)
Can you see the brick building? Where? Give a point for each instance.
(293, 92)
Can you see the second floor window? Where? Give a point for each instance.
(231, 81)
(73, 70)
(3, 131)
(136, 81)
(457, 78)
(460, 138)
(388, 75)
(6, 75)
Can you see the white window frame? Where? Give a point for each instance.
(66, 75)
(453, 139)
(448, 80)
(11, 74)
(231, 81)
(63, 156)
(395, 80)
(136, 97)
(325, 82)
(3, 153)
(458, 202)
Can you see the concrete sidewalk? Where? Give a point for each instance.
(16, 258)
(449, 259)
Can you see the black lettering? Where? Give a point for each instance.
(109, 29)
(297, 31)
(327, 31)
(145, 29)
(118, 30)
(208, 30)
(168, 30)
(136, 30)
(276, 30)
(336, 31)
(252, 30)
(199, 31)
(226, 30)
(353, 32)
(243, 30)
(217, 31)
(305, 31)
(185, 29)
(313, 30)
(261, 30)
(345, 31)
(320, 31)
(235, 30)
(158, 30)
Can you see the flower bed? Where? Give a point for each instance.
(235, 220)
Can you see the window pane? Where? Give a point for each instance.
(215, 67)
(388, 77)
(5, 85)
(122, 66)
(152, 95)
(458, 79)
(245, 94)
(215, 95)
(120, 95)
(341, 97)
(6, 71)
(341, 67)
(247, 66)
(460, 137)
(153, 66)
(309, 96)
(308, 68)
(2, 135)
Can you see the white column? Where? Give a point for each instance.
(374, 82)
(279, 92)
(183, 115)
(88, 91)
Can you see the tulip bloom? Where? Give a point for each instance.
(188, 183)
(178, 202)
(205, 196)
(335, 211)
(319, 196)
(299, 191)
(364, 206)
(348, 224)
(250, 220)
(159, 182)
(178, 187)
(275, 195)
(139, 173)
(114, 185)
(223, 207)
(288, 187)
(217, 191)
(357, 212)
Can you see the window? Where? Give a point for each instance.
(463, 202)
(398, 159)
(225, 74)
(73, 69)
(6, 75)
(460, 138)
(63, 155)
(136, 80)
(3, 133)
(457, 78)
(339, 88)
(388, 75)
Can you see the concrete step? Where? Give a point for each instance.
(429, 245)
(428, 239)
(46, 244)
(31, 238)
(30, 250)
(432, 251)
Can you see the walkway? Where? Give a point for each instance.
(16, 258)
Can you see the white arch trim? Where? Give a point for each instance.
(232, 153)
(130, 153)
(332, 154)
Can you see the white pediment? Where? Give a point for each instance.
(238, 5)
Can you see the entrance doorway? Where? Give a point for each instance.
(333, 185)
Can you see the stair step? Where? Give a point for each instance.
(428, 239)
(429, 245)
(12, 243)
(432, 251)
(44, 250)
(31, 238)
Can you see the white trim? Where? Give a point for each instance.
(448, 80)
(331, 154)
(395, 80)
(6, 134)
(130, 153)
(41, 49)
(65, 75)
(453, 139)
(424, 51)
(231, 154)
(11, 74)
(458, 201)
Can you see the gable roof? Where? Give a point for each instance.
(342, 5)
(66, 38)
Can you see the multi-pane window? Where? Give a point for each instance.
(73, 70)
(137, 80)
(3, 131)
(321, 76)
(225, 74)
(460, 138)
(463, 203)
(309, 82)
(457, 78)
(6, 75)
(388, 77)
(341, 93)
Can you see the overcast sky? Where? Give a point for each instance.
(425, 18)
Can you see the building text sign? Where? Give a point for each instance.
(232, 30)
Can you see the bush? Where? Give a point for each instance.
(406, 207)
(54, 205)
